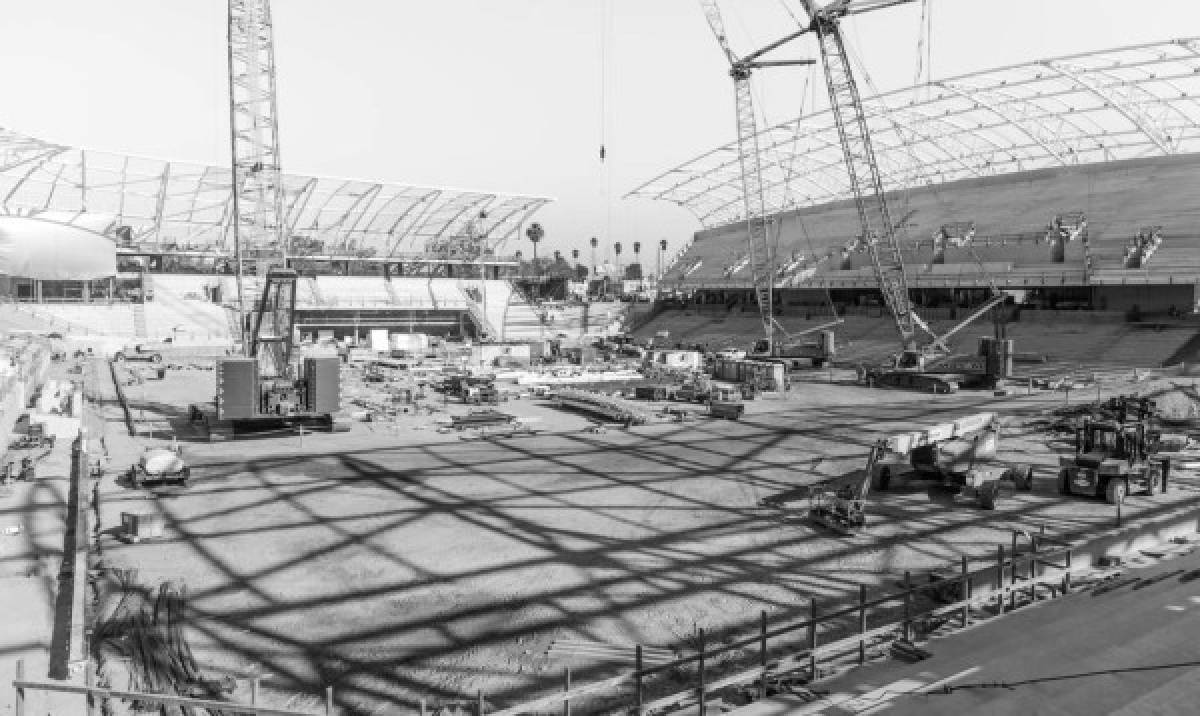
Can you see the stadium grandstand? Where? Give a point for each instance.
(132, 248)
(1072, 182)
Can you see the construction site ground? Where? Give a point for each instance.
(396, 562)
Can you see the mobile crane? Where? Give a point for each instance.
(264, 388)
(761, 254)
(926, 367)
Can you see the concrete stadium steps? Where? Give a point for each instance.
(183, 285)
(1071, 346)
(114, 320)
(605, 317)
(447, 293)
(1173, 255)
(307, 295)
(1022, 252)
(19, 317)
(522, 322)
(251, 289)
(495, 295)
(187, 321)
(353, 290)
(1118, 198)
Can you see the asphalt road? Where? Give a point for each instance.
(1127, 647)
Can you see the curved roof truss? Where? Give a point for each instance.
(186, 205)
(1124, 103)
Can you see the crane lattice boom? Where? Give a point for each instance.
(878, 231)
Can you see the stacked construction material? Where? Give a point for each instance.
(605, 406)
(143, 629)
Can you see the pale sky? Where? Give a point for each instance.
(499, 95)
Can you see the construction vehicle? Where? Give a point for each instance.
(26, 473)
(36, 436)
(137, 353)
(1111, 459)
(160, 465)
(267, 389)
(726, 401)
(961, 454)
(930, 367)
(844, 509)
(816, 353)
(480, 393)
(760, 257)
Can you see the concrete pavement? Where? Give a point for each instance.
(1126, 646)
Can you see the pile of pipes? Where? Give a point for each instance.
(141, 628)
(606, 406)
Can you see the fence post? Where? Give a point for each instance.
(254, 691)
(907, 607)
(1067, 575)
(703, 646)
(1034, 568)
(862, 623)
(1000, 578)
(1012, 594)
(90, 681)
(422, 708)
(479, 703)
(637, 658)
(20, 704)
(328, 701)
(812, 639)
(762, 653)
(567, 686)
(965, 592)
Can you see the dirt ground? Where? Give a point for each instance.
(395, 562)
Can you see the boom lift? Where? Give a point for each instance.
(960, 454)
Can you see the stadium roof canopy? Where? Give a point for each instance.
(189, 205)
(1123, 103)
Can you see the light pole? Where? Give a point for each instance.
(594, 242)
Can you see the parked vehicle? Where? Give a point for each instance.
(1111, 460)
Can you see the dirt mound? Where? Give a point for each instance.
(1175, 400)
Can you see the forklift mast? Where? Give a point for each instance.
(1118, 441)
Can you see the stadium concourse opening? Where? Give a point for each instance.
(545, 480)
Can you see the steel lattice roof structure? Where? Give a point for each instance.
(184, 205)
(1130, 102)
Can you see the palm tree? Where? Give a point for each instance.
(617, 251)
(637, 253)
(594, 242)
(662, 249)
(534, 233)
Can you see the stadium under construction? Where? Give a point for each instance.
(282, 443)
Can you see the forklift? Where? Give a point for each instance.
(1111, 458)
